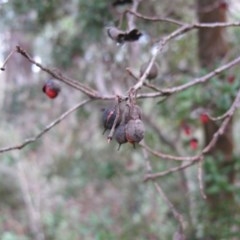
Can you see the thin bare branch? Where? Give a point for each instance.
(200, 80)
(200, 156)
(204, 78)
(159, 49)
(168, 157)
(7, 58)
(180, 23)
(149, 85)
(73, 83)
(46, 129)
(155, 19)
(171, 170)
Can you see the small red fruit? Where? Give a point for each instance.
(194, 143)
(186, 129)
(204, 118)
(51, 89)
(231, 79)
(223, 5)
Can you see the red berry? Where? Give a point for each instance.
(204, 118)
(186, 129)
(231, 79)
(51, 89)
(223, 5)
(193, 143)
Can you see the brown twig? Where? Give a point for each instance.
(46, 129)
(7, 58)
(183, 29)
(73, 83)
(171, 170)
(159, 49)
(200, 80)
(180, 23)
(226, 114)
(154, 19)
(166, 156)
(200, 156)
(149, 85)
(204, 78)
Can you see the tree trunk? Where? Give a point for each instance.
(212, 47)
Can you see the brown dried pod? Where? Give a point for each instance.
(133, 35)
(116, 34)
(121, 2)
(120, 36)
(108, 117)
(120, 135)
(132, 112)
(135, 112)
(135, 131)
(153, 73)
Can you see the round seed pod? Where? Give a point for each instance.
(153, 73)
(108, 118)
(133, 112)
(135, 131)
(120, 135)
(133, 35)
(116, 34)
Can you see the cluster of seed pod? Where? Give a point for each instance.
(129, 126)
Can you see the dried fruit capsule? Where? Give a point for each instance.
(135, 131)
(133, 112)
(120, 36)
(120, 135)
(121, 2)
(133, 35)
(108, 118)
(51, 88)
(116, 34)
(153, 73)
